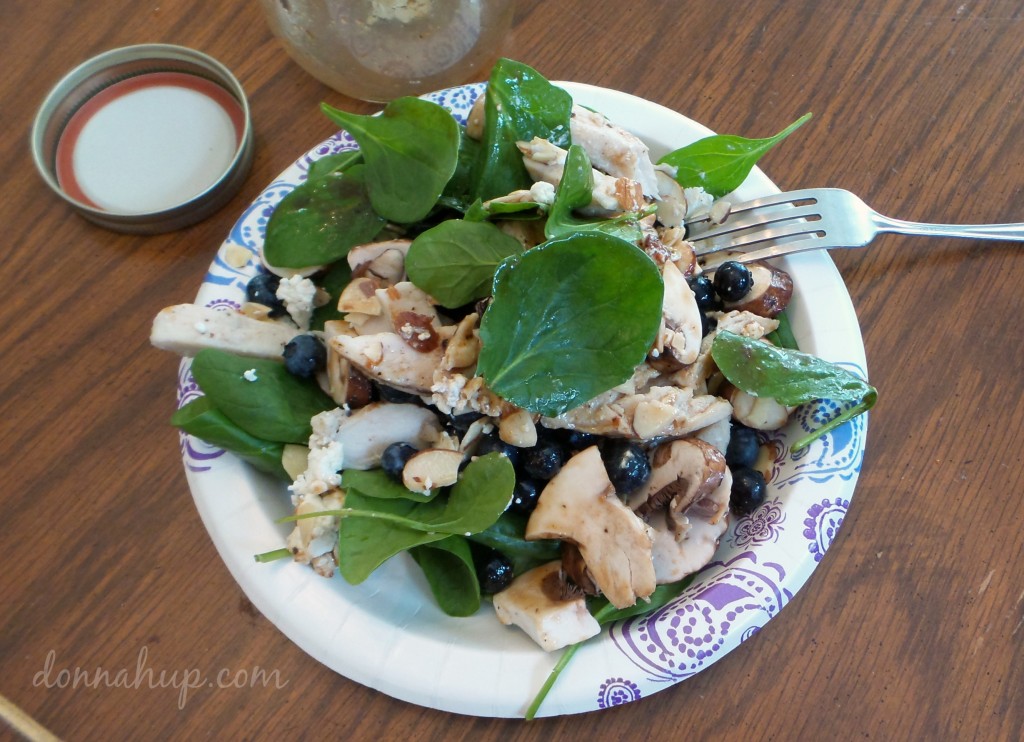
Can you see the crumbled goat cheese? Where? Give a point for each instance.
(543, 192)
(250, 375)
(326, 456)
(298, 295)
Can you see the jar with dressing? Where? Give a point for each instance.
(377, 50)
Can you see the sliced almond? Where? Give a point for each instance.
(431, 468)
(360, 296)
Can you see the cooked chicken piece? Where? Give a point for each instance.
(612, 149)
(680, 333)
(388, 358)
(385, 260)
(186, 329)
(544, 161)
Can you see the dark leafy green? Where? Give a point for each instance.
(455, 261)
(569, 320)
(720, 163)
(521, 104)
(377, 484)
(333, 282)
(575, 190)
(201, 419)
(277, 406)
(321, 220)
(411, 151)
(448, 567)
(337, 163)
(783, 336)
(507, 535)
(373, 529)
(606, 613)
(790, 377)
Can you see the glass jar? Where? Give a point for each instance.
(377, 50)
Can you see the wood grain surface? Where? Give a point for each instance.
(913, 625)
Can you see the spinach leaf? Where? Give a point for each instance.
(277, 406)
(333, 282)
(411, 151)
(448, 567)
(366, 543)
(336, 163)
(321, 220)
(782, 336)
(201, 419)
(521, 104)
(575, 190)
(790, 377)
(455, 261)
(457, 192)
(373, 529)
(605, 613)
(720, 163)
(569, 320)
(507, 535)
(376, 483)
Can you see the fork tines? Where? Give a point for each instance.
(779, 219)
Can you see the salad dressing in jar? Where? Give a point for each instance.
(377, 50)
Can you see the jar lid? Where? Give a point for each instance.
(145, 139)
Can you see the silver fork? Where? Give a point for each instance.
(817, 218)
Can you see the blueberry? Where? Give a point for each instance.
(577, 440)
(733, 280)
(494, 573)
(743, 447)
(524, 496)
(627, 465)
(542, 461)
(493, 444)
(707, 324)
(304, 355)
(748, 490)
(460, 423)
(262, 289)
(396, 396)
(704, 293)
(394, 458)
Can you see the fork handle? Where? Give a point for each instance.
(1012, 232)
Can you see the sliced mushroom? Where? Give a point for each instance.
(683, 543)
(580, 505)
(681, 330)
(186, 329)
(759, 413)
(386, 357)
(385, 260)
(365, 433)
(431, 468)
(575, 569)
(682, 472)
(770, 293)
(538, 603)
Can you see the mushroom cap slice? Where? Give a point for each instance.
(369, 430)
(538, 603)
(770, 293)
(580, 505)
(682, 472)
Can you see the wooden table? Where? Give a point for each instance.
(912, 627)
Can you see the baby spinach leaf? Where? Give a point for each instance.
(448, 567)
(376, 483)
(575, 190)
(321, 220)
(782, 336)
(520, 105)
(333, 282)
(374, 529)
(366, 543)
(507, 535)
(277, 406)
(336, 163)
(201, 419)
(790, 377)
(455, 261)
(569, 320)
(456, 193)
(411, 151)
(720, 163)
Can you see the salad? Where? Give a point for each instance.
(467, 375)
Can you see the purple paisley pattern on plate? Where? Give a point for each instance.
(822, 523)
(690, 633)
(762, 526)
(195, 453)
(617, 691)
